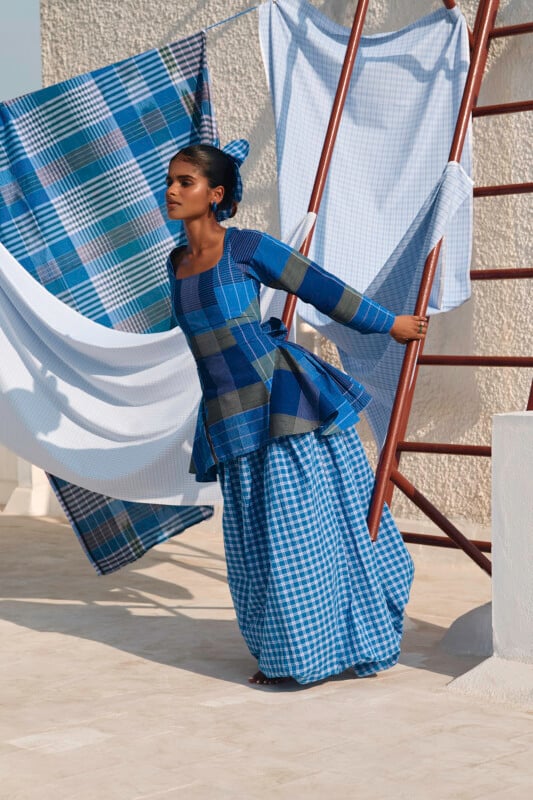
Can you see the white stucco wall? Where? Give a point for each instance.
(450, 405)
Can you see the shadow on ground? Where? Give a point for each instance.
(47, 585)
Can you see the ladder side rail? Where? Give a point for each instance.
(330, 138)
(485, 18)
(480, 16)
(331, 134)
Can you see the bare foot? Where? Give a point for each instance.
(261, 679)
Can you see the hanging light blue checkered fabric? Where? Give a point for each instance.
(390, 195)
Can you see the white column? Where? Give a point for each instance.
(8, 474)
(20, 53)
(508, 675)
(512, 504)
(24, 487)
(33, 495)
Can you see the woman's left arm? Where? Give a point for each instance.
(276, 264)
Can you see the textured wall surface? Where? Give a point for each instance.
(450, 404)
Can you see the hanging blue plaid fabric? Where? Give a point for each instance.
(82, 167)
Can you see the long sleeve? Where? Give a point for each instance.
(275, 264)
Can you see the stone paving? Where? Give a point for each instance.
(133, 686)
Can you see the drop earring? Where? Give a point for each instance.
(214, 208)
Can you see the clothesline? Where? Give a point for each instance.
(233, 16)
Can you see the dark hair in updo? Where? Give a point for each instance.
(217, 167)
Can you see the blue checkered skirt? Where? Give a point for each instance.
(313, 595)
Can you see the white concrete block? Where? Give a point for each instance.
(508, 675)
(512, 511)
(499, 680)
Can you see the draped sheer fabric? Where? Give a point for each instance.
(390, 194)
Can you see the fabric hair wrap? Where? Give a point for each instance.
(238, 150)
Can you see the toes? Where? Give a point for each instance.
(263, 680)
(258, 677)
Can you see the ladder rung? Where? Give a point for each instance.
(511, 30)
(500, 274)
(509, 188)
(442, 541)
(444, 448)
(439, 519)
(475, 361)
(503, 108)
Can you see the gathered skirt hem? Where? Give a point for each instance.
(364, 669)
(314, 596)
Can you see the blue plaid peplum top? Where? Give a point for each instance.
(256, 385)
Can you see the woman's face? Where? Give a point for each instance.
(188, 194)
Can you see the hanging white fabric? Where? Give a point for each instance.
(111, 411)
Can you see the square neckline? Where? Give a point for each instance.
(203, 271)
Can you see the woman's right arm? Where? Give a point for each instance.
(278, 265)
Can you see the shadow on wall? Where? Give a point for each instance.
(447, 401)
(383, 17)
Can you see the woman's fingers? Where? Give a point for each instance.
(408, 327)
(421, 327)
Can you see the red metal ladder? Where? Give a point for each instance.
(388, 475)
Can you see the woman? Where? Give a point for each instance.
(313, 595)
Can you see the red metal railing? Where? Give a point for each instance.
(400, 413)
(388, 473)
(510, 188)
(501, 274)
(440, 520)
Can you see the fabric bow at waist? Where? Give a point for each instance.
(275, 327)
